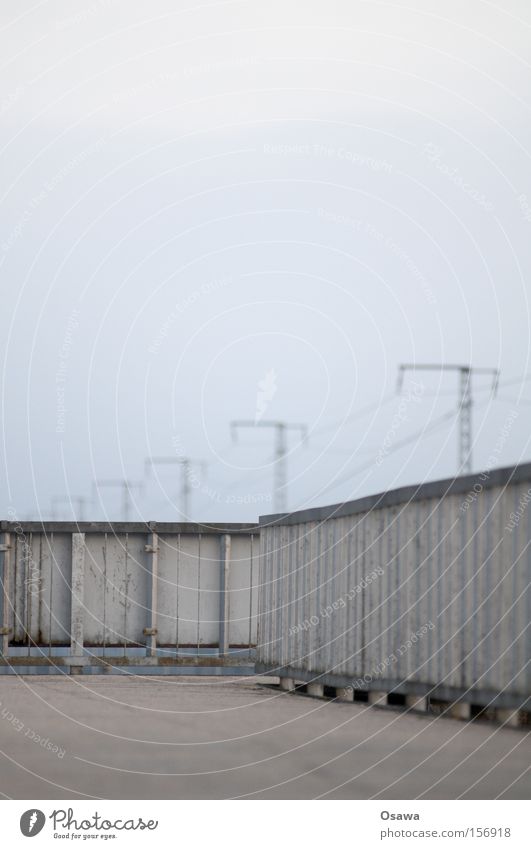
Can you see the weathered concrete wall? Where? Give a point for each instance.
(99, 588)
(420, 590)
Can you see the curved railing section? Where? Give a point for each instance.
(418, 593)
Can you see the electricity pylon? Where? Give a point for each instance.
(186, 464)
(280, 429)
(465, 402)
(126, 487)
(71, 500)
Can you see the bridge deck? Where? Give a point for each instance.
(215, 738)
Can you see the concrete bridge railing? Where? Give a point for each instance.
(417, 593)
(105, 596)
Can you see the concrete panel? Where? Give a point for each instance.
(209, 583)
(125, 589)
(239, 592)
(138, 578)
(95, 590)
(60, 587)
(169, 578)
(188, 590)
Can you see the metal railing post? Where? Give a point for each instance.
(224, 599)
(5, 549)
(151, 631)
(77, 604)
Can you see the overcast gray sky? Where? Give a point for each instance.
(239, 210)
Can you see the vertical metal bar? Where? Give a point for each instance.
(198, 590)
(489, 566)
(77, 603)
(29, 578)
(289, 598)
(41, 580)
(313, 608)
(363, 531)
(126, 592)
(439, 595)
(17, 603)
(5, 549)
(224, 606)
(150, 632)
(52, 561)
(263, 539)
(251, 593)
(177, 595)
(523, 534)
(104, 593)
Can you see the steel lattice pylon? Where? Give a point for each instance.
(465, 402)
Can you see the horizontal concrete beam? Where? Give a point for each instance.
(132, 527)
(113, 669)
(141, 660)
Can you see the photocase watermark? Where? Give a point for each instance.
(60, 375)
(48, 187)
(397, 250)
(267, 389)
(84, 14)
(324, 151)
(66, 820)
(66, 824)
(181, 307)
(387, 242)
(525, 207)
(434, 153)
(413, 395)
(516, 516)
(338, 218)
(492, 461)
(44, 742)
(32, 822)
(9, 101)
(337, 604)
(32, 581)
(378, 670)
(243, 498)
(185, 73)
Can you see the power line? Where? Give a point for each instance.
(369, 408)
(437, 423)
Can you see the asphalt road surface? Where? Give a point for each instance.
(218, 738)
